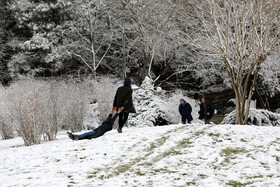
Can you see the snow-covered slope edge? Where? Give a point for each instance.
(175, 155)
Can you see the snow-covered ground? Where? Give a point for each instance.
(175, 155)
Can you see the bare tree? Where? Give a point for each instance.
(93, 32)
(242, 34)
(148, 25)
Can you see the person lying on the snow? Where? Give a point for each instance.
(106, 126)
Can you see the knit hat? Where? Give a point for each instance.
(127, 81)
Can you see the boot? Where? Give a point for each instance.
(70, 135)
(73, 136)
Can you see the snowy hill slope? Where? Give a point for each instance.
(175, 155)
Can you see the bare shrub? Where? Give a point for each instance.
(41, 108)
(77, 97)
(52, 111)
(104, 89)
(23, 105)
(6, 130)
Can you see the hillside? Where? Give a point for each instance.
(174, 155)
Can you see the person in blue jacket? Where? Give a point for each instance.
(106, 126)
(185, 110)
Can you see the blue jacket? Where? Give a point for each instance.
(185, 110)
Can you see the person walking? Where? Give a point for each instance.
(106, 126)
(123, 98)
(185, 110)
(206, 111)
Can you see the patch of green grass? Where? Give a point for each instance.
(164, 170)
(170, 152)
(145, 164)
(90, 176)
(101, 177)
(214, 134)
(243, 140)
(184, 143)
(264, 165)
(191, 183)
(233, 151)
(97, 170)
(199, 133)
(237, 184)
(256, 177)
(202, 176)
(122, 168)
(157, 143)
(139, 173)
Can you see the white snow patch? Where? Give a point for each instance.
(174, 155)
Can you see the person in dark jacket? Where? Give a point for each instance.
(123, 98)
(206, 111)
(185, 110)
(106, 126)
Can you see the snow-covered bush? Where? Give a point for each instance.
(91, 119)
(172, 107)
(6, 131)
(78, 97)
(256, 117)
(152, 107)
(40, 108)
(103, 91)
(23, 104)
(34, 109)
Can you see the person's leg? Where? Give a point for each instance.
(207, 121)
(184, 119)
(189, 122)
(121, 116)
(86, 135)
(122, 120)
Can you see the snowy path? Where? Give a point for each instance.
(175, 155)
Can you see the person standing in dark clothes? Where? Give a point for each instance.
(123, 98)
(106, 126)
(206, 111)
(185, 110)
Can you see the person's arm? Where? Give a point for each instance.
(190, 108)
(212, 109)
(180, 111)
(116, 115)
(113, 109)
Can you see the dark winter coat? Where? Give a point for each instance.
(209, 108)
(123, 98)
(106, 126)
(185, 110)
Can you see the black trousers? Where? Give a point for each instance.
(123, 116)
